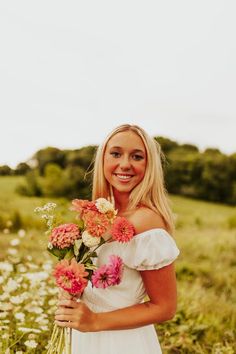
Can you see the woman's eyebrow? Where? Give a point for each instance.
(135, 150)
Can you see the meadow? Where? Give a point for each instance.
(205, 321)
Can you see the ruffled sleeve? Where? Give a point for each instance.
(152, 249)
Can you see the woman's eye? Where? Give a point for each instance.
(115, 154)
(137, 157)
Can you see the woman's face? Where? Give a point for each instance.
(125, 161)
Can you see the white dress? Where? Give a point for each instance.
(152, 249)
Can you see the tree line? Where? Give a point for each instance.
(208, 175)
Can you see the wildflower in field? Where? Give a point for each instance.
(21, 233)
(6, 231)
(16, 300)
(11, 286)
(29, 330)
(20, 316)
(12, 251)
(31, 343)
(1, 279)
(6, 267)
(122, 230)
(15, 242)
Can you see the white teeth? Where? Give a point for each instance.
(123, 177)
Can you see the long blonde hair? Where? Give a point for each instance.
(150, 191)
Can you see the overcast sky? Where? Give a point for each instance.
(70, 71)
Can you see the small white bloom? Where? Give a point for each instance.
(6, 231)
(12, 251)
(1, 279)
(90, 241)
(11, 285)
(47, 266)
(16, 300)
(6, 306)
(21, 233)
(15, 242)
(20, 316)
(29, 330)
(19, 352)
(104, 206)
(44, 328)
(31, 343)
(22, 268)
(6, 267)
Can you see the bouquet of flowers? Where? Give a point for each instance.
(75, 245)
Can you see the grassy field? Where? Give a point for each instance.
(206, 318)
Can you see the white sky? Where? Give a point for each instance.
(70, 71)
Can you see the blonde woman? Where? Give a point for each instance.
(119, 319)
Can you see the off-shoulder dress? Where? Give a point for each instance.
(152, 249)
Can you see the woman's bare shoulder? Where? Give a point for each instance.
(145, 219)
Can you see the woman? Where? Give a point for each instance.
(119, 319)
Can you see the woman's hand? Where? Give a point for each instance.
(75, 315)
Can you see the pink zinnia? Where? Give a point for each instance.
(96, 223)
(70, 276)
(64, 235)
(108, 275)
(82, 206)
(122, 230)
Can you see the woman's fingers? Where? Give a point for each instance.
(68, 303)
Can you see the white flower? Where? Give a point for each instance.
(33, 309)
(90, 241)
(21, 233)
(6, 231)
(20, 316)
(29, 330)
(22, 268)
(6, 306)
(19, 352)
(104, 206)
(12, 285)
(16, 300)
(12, 251)
(31, 343)
(6, 267)
(44, 328)
(1, 279)
(15, 242)
(47, 266)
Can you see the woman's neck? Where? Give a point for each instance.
(121, 201)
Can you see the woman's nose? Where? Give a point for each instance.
(125, 163)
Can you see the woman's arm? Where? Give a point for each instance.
(161, 289)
